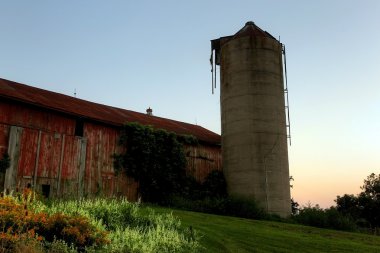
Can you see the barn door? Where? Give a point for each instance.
(52, 163)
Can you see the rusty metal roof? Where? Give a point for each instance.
(98, 112)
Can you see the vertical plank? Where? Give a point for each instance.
(37, 156)
(82, 166)
(14, 154)
(60, 166)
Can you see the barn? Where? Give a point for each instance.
(62, 146)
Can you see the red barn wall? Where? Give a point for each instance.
(46, 153)
(17, 114)
(100, 177)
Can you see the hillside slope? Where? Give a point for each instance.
(237, 235)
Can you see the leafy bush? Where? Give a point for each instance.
(215, 185)
(245, 208)
(324, 218)
(12, 242)
(191, 189)
(19, 222)
(230, 206)
(211, 197)
(75, 231)
(364, 208)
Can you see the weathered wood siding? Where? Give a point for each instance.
(46, 154)
(18, 114)
(202, 159)
(100, 177)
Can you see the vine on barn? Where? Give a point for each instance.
(155, 158)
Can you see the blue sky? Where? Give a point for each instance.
(136, 54)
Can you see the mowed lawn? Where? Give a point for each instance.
(237, 235)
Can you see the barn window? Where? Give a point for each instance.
(79, 128)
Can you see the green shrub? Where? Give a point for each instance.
(324, 218)
(23, 226)
(311, 216)
(59, 246)
(230, 206)
(191, 189)
(338, 221)
(76, 231)
(364, 207)
(215, 185)
(245, 208)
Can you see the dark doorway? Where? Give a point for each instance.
(46, 190)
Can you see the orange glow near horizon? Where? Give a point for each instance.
(321, 182)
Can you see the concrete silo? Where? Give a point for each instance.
(253, 115)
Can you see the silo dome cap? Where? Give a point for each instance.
(252, 30)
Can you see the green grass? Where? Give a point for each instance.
(237, 235)
(142, 229)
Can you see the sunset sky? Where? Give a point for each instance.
(136, 54)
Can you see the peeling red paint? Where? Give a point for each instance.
(28, 152)
(20, 115)
(101, 144)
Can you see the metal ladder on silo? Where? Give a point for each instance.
(286, 94)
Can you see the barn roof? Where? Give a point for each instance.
(98, 112)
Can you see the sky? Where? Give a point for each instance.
(140, 54)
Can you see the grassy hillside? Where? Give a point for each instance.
(116, 225)
(236, 235)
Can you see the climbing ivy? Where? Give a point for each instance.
(4, 162)
(187, 139)
(155, 158)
